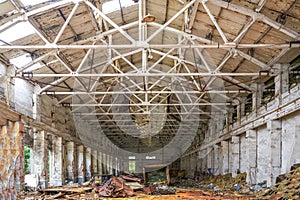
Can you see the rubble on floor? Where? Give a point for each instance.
(287, 186)
(115, 187)
(208, 187)
(123, 186)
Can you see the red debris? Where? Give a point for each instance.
(116, 187)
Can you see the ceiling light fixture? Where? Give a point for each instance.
(148, 18)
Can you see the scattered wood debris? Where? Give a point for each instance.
(116, 187)
(211, 187)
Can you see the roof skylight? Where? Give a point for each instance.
(114, 5)
(16, 32)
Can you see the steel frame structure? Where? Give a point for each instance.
(144, 46)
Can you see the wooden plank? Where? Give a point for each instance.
(6, 7)
(279, 6)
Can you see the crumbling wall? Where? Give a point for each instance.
(17, 92)
(267, 142)
(23, 93)
(11, 159)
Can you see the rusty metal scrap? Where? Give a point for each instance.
(116, 187)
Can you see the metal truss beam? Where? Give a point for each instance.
(148, 104)
(214, 21)
(154, 46)
(156, 113)
(110, 21)
(204, 74)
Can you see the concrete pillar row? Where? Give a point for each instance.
(40, 156)
(56, 167)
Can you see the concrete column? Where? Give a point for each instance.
(31, 168)
(224, 157)
(227, 121)
(274, 128)
(263, 155)
(110, 164)
(107, 164)
(125, 165)
(117, 166)
(243, 153)
(94, 163)
(71, 162)
(235, 152)
(100, 167)
(81, 164)
(104, 163)
(281, 80)
(203, 160)
(113, 164)
(40, 157)
(257, 96)
(56, 168)
(251, 154)
(216, 168)
(210, 159)
(242, 106)
(239, 114)
(88, 164)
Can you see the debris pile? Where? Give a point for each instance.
(123, 186)
(115, 187)
(287, 186)
(209, 187)
(224, 182)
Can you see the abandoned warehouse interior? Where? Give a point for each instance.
(101, 92)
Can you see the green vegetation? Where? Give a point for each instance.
(27, 159)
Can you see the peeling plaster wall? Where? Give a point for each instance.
(263, 154)
(58, 117)
(290, 141)
(17, 91)
(243, 153)
(11, 159)
(43, 108)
